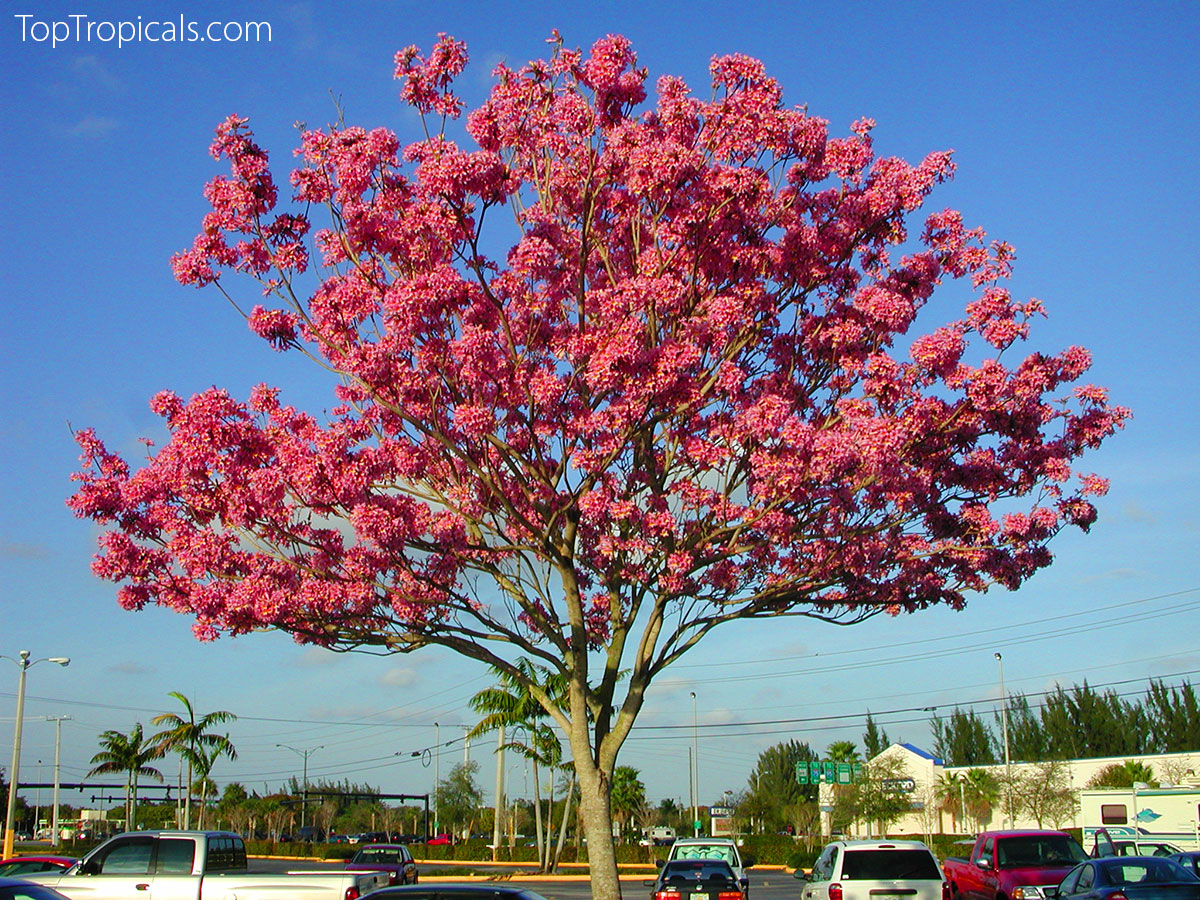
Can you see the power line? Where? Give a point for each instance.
(841, 717)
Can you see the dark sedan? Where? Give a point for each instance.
(448, 891)
(697, 879)
(391, 858)
(1129, 878)
(15, 889)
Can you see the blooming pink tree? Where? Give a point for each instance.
(607, 382)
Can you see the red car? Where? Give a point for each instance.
(28, 865)
(391, 858)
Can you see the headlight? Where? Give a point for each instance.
(1028, 892)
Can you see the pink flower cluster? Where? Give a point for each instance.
(692, 387)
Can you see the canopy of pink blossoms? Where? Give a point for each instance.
(692, 389)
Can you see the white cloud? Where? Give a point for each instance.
(399, 677)
(93, 127)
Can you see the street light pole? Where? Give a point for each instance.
(695, 773)
(304, 788)
(437, 775)
(1007, 760)
(23, 663)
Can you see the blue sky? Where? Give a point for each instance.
(1074, 126)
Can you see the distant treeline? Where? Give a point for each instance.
(1080, 723)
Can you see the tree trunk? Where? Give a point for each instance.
(537, 812)
(544, 858)
(562, 828)
(131, 821)
(594, 796)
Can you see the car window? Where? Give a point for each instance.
(130, 857)
(985, 852)
(693, 869)
(1039, 850)
(822, 868)
(175, 856)
(1146, 871)
(1068, 884)
(1086, 878)
(897, 864)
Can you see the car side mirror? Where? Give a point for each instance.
(659, 863)
(1052, 891)
(984, 863)
(89, 867)
(748, 861)
(801, 874)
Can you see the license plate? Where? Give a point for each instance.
(699, 895)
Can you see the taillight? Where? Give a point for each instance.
(729, 895)
(666, 895)
(835, 891)
(393, 876)
(352, 893)
(946, 895)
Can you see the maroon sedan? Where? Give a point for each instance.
(28, 865)
(391, 858)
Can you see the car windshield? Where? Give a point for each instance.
(1144, 871)
(704, 851)
(377, 855)
(697, 869)
(889, 865)
(1038, 850)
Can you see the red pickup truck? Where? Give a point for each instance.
(1012, 865)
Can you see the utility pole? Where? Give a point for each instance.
(695, 773)
(1007, 761)
(437, 765)
(304, 788)
(58, 720)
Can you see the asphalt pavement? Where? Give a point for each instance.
(765, 884)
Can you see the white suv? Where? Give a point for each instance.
(874, 870)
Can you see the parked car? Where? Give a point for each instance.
(451, 891)
(369, 837)
(1015, 865)
(715, 848)
(391, 858)
(1190, 860)
(1128, 878)
(195, 865)
(440, 840)
(863, 870)
(25, 865)
(18, 889)
(696, 879)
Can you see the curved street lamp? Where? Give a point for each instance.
(23, 663)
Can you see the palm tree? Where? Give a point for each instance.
(950, 792)
(128, 753)
(982, 790)
(195, 742)
(511, 704)
(628, 794)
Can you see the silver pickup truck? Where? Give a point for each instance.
(194, 865)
